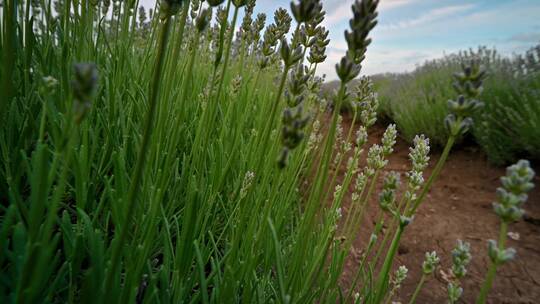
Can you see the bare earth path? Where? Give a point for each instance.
(459, 207)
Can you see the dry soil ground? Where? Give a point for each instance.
(459, 206)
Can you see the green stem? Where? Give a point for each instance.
(242, 56)
(195, 47)
(43, 121)
(8, 54)
(273, 112)
(486, 287)
(180, 39)
(393, 223)
(316, 190)
(385, 270)
(322, 170)
(222, 30)
(209, 113)
(340, 159)
(227, 52)
(418, 288)
(380, 223)
(137, 173)
(358, 216)
(35, 264)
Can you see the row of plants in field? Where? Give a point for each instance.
(506, 129)
(172, 159)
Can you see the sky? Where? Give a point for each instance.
(413, 31)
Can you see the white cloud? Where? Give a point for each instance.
(328, 66)
(342, 11)
(382, 60)
(428, 17)
(391, 4)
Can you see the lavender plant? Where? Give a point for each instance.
(504, 129)
(428, 267)
(511, 196)
(461, 256)
(156, 181)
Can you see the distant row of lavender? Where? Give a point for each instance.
(506, 129)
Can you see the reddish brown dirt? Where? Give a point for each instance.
(459, 206)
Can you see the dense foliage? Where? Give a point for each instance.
(506, 129)
(166, 159)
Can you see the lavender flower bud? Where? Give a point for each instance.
(461, 257)
(203, 19)
(306, 10)
(215, 3)
(430, 263)
(169, 8)
(512, 195)
(419, 153)
(500, 256)
(454, 292)
(283, 21)
(400, 276)
(84, 85)
(389, 139)
(375, 158)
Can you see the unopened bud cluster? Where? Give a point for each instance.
(418, 155)
(215, 2)
(511, 196)
(236, 85)
(84, 85)
(169, 8)
(49, 84)
(315, 137)
(294, 120)
(360, 183)
(306, 10)
(364, 101)
(461, 256)
(282, 21)
(400, 276)
(404, 221)
(513, 193)
(338, 190)
(454, 292)
(375, 159)
(389, 139)
(268, 48)
(310, 35)
(240, 3)
(387, 196)
(246, 31)
(363, 21)
(318, 44)
(274, 33)
(367, 102)
(246, 183)
(468, 85)
(500, 255)
(361, 136)
(256, 28)
(430, 263)
(289, 55)
(204, 18)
